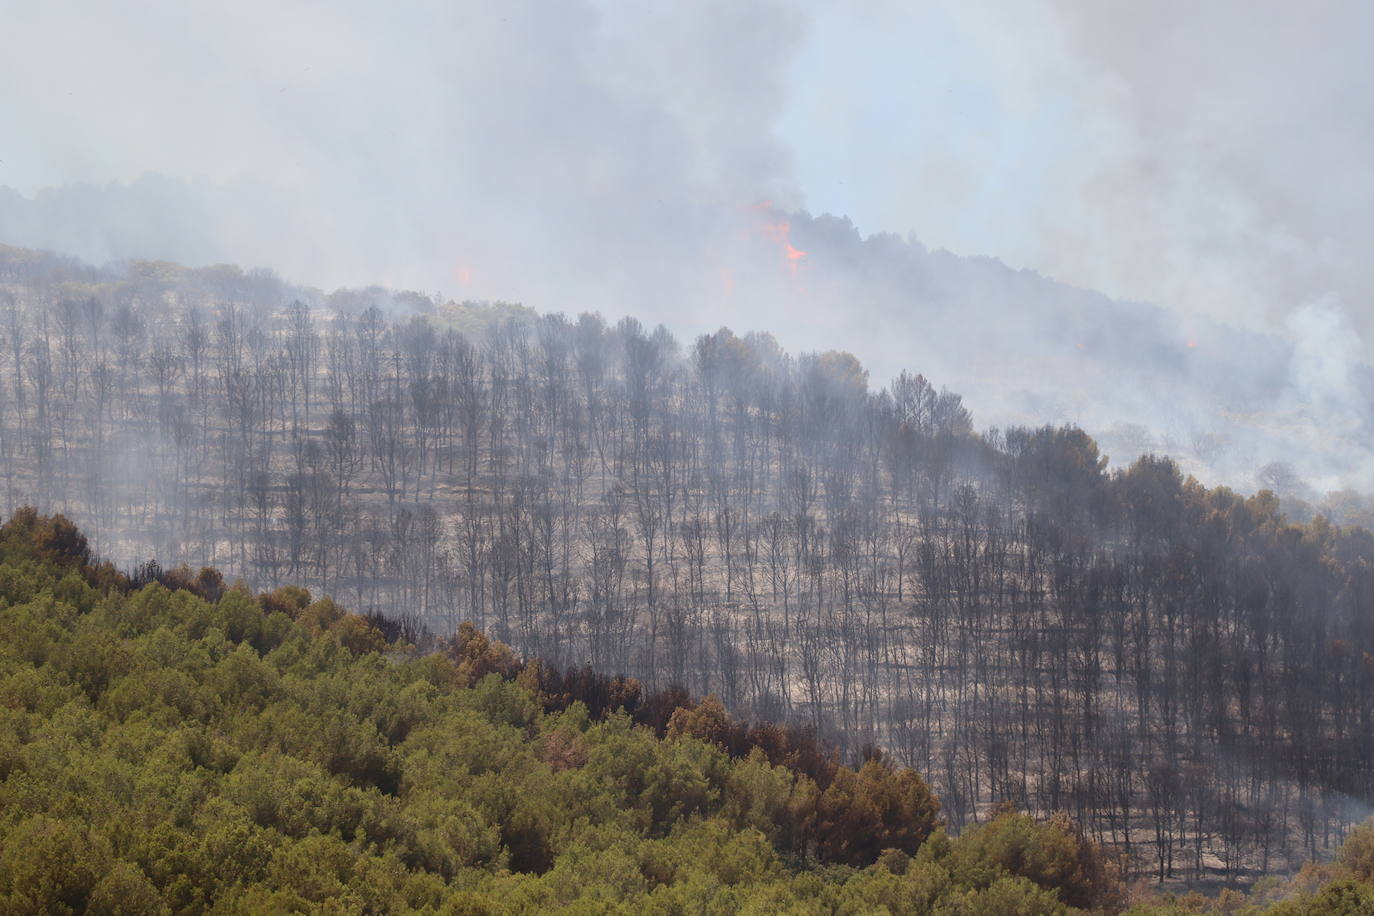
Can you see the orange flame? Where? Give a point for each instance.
(779, 232)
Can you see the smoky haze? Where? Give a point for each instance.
(471, 368)
(654, 159)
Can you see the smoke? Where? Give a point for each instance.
(1326, 353)
(1209, 157)
(654, 159)
(1243, 131)
(586, 153)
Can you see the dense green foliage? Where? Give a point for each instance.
(163, 752)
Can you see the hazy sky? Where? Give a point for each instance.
(582, 153)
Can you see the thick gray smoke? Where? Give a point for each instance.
(1245, 128)
(526, 150)
(651, 158)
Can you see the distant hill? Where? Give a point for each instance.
(1023, 349)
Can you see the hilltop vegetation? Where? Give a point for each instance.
(162, 751)
(192, 748)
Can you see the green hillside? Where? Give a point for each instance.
(196, 748)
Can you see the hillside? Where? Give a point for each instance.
(162, 750)
(193, 747)
(1183, 669)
